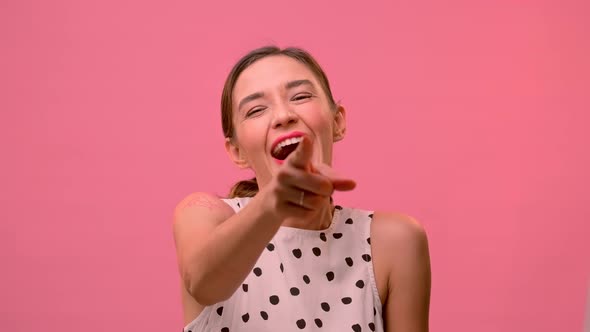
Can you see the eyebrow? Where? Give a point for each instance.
(249, 98)
(289, 85)
(296, 83)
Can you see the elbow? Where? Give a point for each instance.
(203, 290)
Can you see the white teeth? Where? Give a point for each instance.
(286, 142)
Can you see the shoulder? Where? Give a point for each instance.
(199, 204)
(398, 228)
(400, 241)
(195, 216)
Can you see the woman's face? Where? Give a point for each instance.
(279, 97)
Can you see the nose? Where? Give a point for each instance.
(283, 117)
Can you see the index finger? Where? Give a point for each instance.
(301, 157)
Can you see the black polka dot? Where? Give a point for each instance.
(374, 311)
(337, 235)
(257, 271)
(366, 257)
(372, 326)
(238, 204)
(264, 315)
(325, 306)
(297, 253)
(274, 299)
(371, 216)
(323, 237)
(330, 276)
(225, 329)
(270, 247)
(282, 268)
(349, 221)
(220, 311)
(338, 207)
(346, 300)
(245, 287)
(356, 328)
(360, 284)
(306, 279)
(294, 291)
(369, 240)
(245, 317)
(301, 324)
(316, 251)
(348, 261)
(318, 322)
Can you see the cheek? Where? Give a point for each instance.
(251, 137)
(316, 115)
(320, 122)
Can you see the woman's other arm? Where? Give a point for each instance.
(404, 246)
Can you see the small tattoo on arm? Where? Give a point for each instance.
(201, 202)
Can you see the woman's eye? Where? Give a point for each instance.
(254, 111)
(301, 97)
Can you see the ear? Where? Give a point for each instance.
(339, 123)
(235, 154)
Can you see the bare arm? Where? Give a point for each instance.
(216, 248)
(408, 298)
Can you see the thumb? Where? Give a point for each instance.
(339, 181)
(301, 157)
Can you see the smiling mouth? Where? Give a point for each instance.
(285, 148)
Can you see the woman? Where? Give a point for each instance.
(278, 255)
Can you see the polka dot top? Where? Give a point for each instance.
(305, 280)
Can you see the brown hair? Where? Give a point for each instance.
(249, 188)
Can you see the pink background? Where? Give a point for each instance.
(471, 116)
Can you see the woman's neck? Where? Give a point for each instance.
(320, 221)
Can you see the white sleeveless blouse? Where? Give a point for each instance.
(305, 280)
